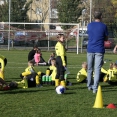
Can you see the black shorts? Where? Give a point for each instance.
(5, 62)
(31, 80)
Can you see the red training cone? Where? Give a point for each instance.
(111, 106)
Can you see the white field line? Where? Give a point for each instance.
(27, 63)
(39, 67)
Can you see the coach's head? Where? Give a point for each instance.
(97, 15)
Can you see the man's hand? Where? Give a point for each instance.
(114, 51)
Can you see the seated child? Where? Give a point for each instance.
(52, 56)
(108, 71)
(37, 57)
(32, 77)
(42, 61)
(51, 72)
(82, 74)
(112, 75)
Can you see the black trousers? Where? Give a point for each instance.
(60, 68)
(30, 79)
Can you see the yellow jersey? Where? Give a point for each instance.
(2, 62)
(30, 69)
(54, 72)
(81, 75)
(60, 51)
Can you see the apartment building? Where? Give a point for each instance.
(43, 11)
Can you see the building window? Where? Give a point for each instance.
(54, 13)
(1, 2)
(38, 11)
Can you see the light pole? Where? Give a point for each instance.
(83, 12)
(49, 11)
(9, 23)
(90, 9)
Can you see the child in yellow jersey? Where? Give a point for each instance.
(106, 77)
(30, 74)
(112, 75)
(52, 56)
(3, 62)
(49, 76)
(53, 70)
(82, 74)
(61, 61)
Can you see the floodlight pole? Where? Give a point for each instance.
(49, 25)
(9, 23)
(77, 38)
(83, 12)
(90, 9)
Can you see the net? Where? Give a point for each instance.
(42, 34)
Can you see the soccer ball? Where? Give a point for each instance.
(60, 90)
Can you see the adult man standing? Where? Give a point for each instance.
(97, 34)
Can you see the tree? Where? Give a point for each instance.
(19, 9)
(69, 11)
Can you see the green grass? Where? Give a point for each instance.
(44, 102)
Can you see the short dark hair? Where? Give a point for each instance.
(35, 46)
(97, 15)
(60, 35)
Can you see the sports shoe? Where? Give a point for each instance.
(89, 88)
(39, 86)
(94, 91)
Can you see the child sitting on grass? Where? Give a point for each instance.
(82, 74)
(32, 77)
(106, 78)
(37, 57)
(49, 77)
(52, 56)
(112, 75)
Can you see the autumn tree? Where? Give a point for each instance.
(69, 11)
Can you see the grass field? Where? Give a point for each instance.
(44, 102)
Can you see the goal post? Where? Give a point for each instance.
(38, 34)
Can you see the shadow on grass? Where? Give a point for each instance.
(78, 88)
(15, 91)
(13, 79)
(109, 86)
(105, 105)
(74, 83)
(110, 90)
(69, 93)
(71, 74)
(71, 78)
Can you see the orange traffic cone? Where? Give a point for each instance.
(98, 100)
(112, 106)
